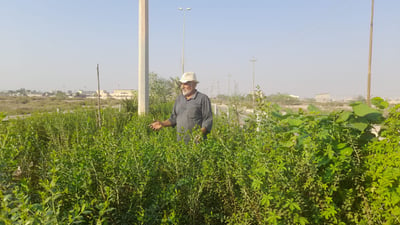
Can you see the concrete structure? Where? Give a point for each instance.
(294, 96)
(103, 94)
(324, 97)
(123, 94)
(143, 65)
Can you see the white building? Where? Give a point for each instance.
(103, 94)
(123, 94)
(324, 97)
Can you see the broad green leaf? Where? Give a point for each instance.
(359, 126)
(343, 116)
(379, 103)
(368, 113)
(363, 110)
(341, 146)
(366, 137)
(346, 151)
(294, 122)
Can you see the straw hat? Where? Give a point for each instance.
(188, 76)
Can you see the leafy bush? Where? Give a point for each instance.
(278, 168)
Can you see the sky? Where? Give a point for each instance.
(301, 47)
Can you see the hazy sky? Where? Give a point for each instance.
(302, 47)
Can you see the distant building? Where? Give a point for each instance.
(48, 94)
(103, 94)
(394, 101)
(85, 94)
(35, 95)
(324, 97)
(123, 94)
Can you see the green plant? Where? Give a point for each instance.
(278, 167)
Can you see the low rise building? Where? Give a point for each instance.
(123, 94)
(103, 94)
(324, 97)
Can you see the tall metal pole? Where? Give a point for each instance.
(253, 60)
(143, 71)
(98, 96)
(229, 85)
(370, 54)
(183, 38)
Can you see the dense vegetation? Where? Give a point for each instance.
(304, 167)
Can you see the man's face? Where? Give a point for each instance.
(188, 88)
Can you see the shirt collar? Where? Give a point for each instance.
(193, 96)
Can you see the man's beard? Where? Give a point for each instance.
(186, 92)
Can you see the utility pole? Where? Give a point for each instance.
(253, 60)
(183, 39)
(370, 54)
(143, 70)
(218, 92)
(229, 85)
(98, 97)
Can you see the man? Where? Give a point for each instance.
(192, 109)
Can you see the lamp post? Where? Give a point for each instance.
(184, 10)
(253, 60)
(370, 54)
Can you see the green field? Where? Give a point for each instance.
(280, 167)
(23, 105)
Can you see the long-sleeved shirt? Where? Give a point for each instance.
(191, 113)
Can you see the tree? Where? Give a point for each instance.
(161, 90)
(22, 92)
(60, 95)
(283, 99)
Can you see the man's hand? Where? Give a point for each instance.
(156, 125)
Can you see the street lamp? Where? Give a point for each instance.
(253, 60)
(370, 54)
(184, 10)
